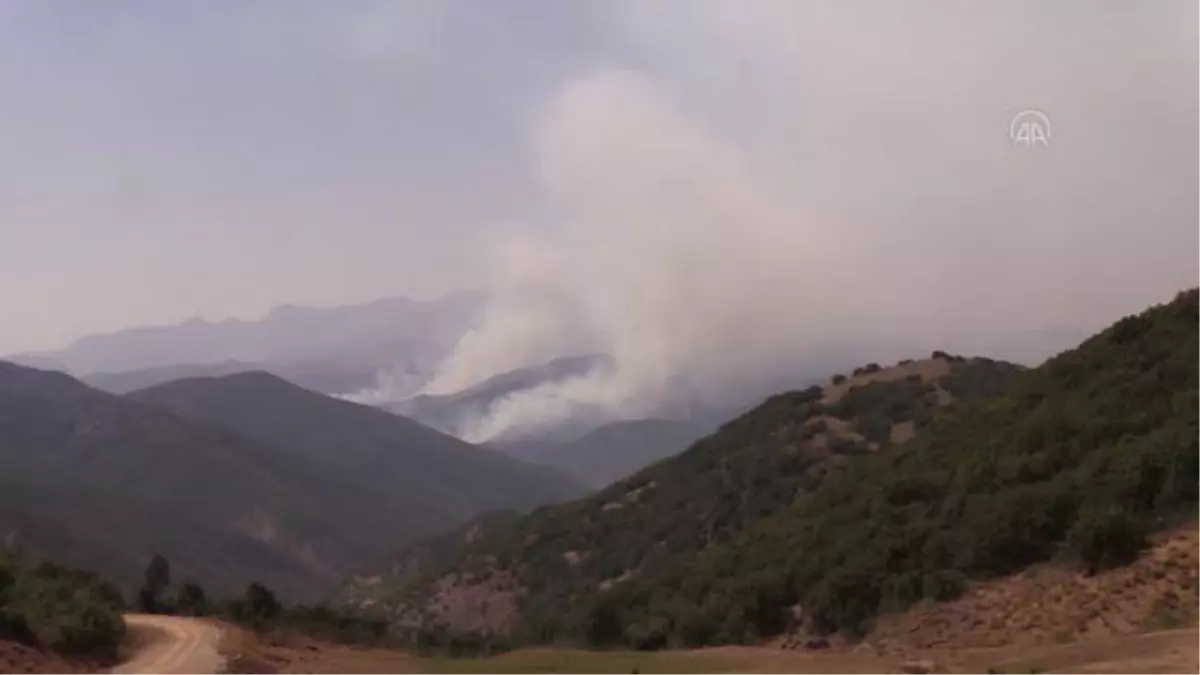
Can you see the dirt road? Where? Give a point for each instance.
(171, 644)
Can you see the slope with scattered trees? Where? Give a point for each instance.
(1079, 460)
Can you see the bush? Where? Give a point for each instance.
(1106, 537)
(62, 609)
(260, 602)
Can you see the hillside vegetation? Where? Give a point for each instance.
(537, 575)
(60, 609)
(1080, 459)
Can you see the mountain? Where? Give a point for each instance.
(376, 334)
(310, 489)
(537, 571)
(615, 450)
(451, 412)
(100, 482)
(318, 377)
(425, 480)
(125, 381)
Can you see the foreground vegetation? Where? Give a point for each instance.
(60, 609)
(1079, 460)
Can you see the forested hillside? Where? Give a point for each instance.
(559, 557)
(1080, 460)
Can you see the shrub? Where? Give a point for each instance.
(1106, 537)
(62, 609)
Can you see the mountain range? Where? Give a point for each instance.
(338, 349)
(235, 479)
(383, 353)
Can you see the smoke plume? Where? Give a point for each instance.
(801, 187)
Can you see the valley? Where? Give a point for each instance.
(937, 515)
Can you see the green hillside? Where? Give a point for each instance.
(557, 558)
(1080, 459)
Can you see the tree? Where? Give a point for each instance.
(191, 600)
(158, 574)
(157, 577)
(261, 602)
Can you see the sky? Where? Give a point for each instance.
(705, 190)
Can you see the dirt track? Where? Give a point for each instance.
(171, 644)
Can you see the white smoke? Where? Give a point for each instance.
(670, 258)
(807, 184)
(528, 319)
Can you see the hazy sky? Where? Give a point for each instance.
(697, 178)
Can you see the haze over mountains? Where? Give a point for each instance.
(353, 342)
(393, 354)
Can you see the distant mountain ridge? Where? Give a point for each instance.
(448, 412)
(615, 450)
(326, 379)
(370, 333)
